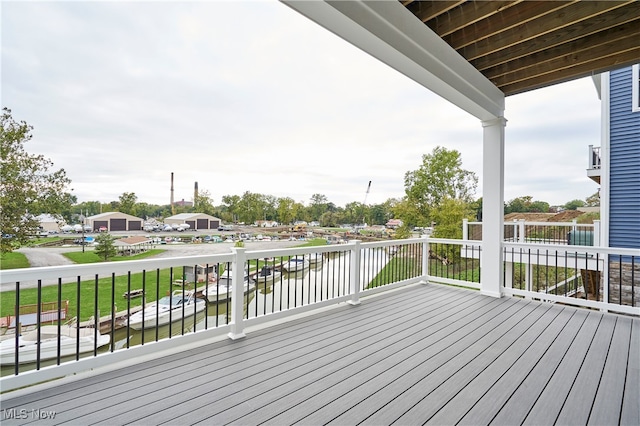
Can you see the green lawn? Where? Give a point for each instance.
(90, 257)
(106, 298)
(87, 289)
(13, 260)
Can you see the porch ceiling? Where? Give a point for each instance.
(474, 53)
(524, 45)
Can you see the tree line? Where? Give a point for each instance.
(439, 192)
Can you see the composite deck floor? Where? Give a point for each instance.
(423, 354)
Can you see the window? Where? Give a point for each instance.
(635, 76)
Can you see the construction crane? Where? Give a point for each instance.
(367, 194)
(364, 203)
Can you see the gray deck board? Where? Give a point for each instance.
(528, 391)
(403, 393)
(421, 354)
(631, 399)
(309, 399)
(608, 401)
(499, 380)
(577, 406)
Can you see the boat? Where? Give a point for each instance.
(169, 308)
(267, 274)
(69, 336)
(314, 258)
(221, 289)
(296, 264)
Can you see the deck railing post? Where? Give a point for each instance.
(596, 233)
(354, 273)
(425, 260)
(521, 231)
(465, 229)
(237, 294)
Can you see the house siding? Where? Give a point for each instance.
(624, 186)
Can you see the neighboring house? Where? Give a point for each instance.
(394, 223)
(615, 165)
(267, 223)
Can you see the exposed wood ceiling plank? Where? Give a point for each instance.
(521, 45)
(614, 60)
(490, 30)
(600, 23)
(426, 10)
(587, 48)
(467, 14)
(568, 16)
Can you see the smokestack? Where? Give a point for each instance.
(171, 192)
(195, 193)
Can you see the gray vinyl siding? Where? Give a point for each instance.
(624, 189)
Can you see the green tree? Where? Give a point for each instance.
(526, 205)
(593, 200)
(574, 204)
(105, 247)
(28, 186)
(448, 218)
(318, 206)
(285, 210)
(203, 203)
(440, 176)
(230, 207)
(128, 202)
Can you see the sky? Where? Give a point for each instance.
(252, 96)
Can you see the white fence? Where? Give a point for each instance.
(335, 274)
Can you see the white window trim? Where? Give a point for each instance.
(635, 88)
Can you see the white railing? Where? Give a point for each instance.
(334, 274)
(595, 162)
(521, 231)
(607, 279)
(341, 274)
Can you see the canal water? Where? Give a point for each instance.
(327, 278)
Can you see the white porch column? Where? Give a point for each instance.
(491, 279)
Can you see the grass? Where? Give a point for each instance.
(314, 242)
(106, 296)
(155, 282)
(91, 257)
(13, 260)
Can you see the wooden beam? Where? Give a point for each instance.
(466, 15)
(587, 48)
(570, 72)
(564, 17)
(427, 10)
(491, 30)
(591, 26)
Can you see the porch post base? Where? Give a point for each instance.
(236, 336)
(495, 294)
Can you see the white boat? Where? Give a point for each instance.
(169, 308)
(314, 258)
(267, 274)
(221, 289)
(69, 336)
(296, 264)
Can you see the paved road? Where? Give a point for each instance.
(52, 256)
